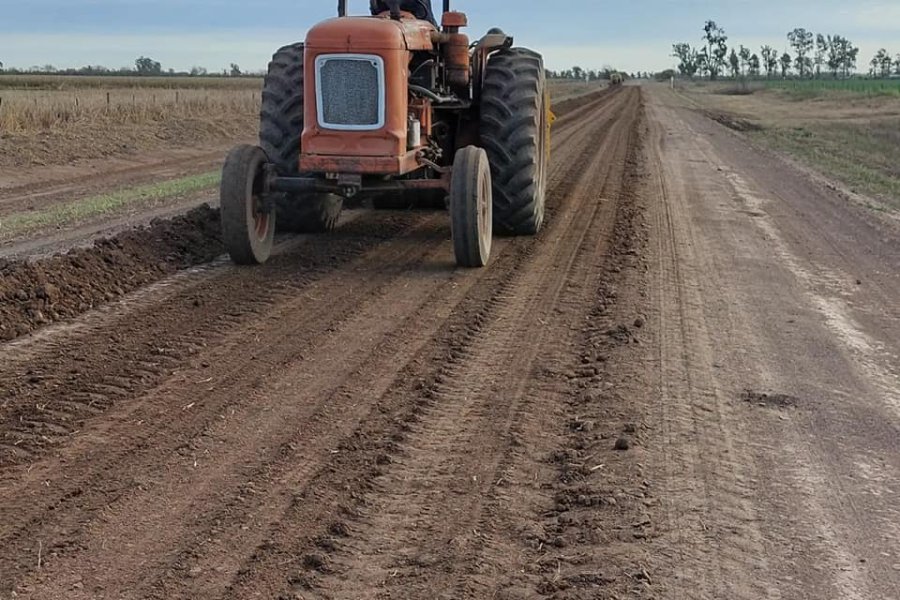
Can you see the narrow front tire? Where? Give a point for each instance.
(248, 223)
(471, 208)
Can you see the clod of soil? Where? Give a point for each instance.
(36, 293)
(623, 444)
(733, 122)
(771, 400)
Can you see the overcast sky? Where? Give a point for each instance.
(628, 34)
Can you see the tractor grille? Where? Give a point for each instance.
(350, 91)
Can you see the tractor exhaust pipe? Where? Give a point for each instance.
(446, 6)
(342, 8)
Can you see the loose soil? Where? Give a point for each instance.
(684, 387)
(36, 293)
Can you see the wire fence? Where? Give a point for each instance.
(29, 110)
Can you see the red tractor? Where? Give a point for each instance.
(391, 104)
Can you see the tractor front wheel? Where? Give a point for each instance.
(471, 207)
(248, 223)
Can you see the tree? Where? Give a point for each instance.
(849, 56)
(717, 48)
(802, 42)
(833, 56)
(577, 73)
(842, 56)
(687, 56)
(896, 65)
(198, 71)
(147, 66)
(234, 70)
(735, 63)
(881, 64)
(786, 62)
(821, 53)
(769, 60)
(744, 54)
(703, 63)
(754, 66)
(886, 63)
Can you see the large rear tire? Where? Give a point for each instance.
(248, 224)
(471, 207)
(280, 128)
(515, 133)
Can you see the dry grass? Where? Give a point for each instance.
(61, 82)
(56, 120)
(24, 111)
(853, 138)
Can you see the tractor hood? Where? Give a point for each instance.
(354, 34)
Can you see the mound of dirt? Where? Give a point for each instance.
(566, 106)
(733, 121)
(34, 294)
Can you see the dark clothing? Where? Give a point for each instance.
(420, 8)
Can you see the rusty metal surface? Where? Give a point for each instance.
(456, 58)
(367, 165)
(454, 19)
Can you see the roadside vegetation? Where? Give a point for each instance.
(88, 209)
(810, 103)
(815, 56)
(849, 134)
(802, 89)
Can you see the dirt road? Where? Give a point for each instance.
(686, 387)
(356, 418)
(775, 444)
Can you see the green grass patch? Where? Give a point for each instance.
(865, 159)
(818, 88)
(105, 204)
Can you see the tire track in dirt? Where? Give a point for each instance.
(705, 489)
(316, 529)
(480, 401)
(92, 488)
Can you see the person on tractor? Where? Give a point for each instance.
(421, 9)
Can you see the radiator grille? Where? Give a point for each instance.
(351, 92)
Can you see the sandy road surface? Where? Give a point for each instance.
(686, 387)
(774, 368)
(356, 419)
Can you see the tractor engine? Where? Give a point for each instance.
(373, 93)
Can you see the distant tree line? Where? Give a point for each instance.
(143, 66)
(814, 56)
(581, 74)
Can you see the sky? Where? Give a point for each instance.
(630, 35)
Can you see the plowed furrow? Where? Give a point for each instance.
(229, 432)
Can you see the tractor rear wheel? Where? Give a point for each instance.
(248, 223)
(515, 133)
(280, 127)
(471, 207)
